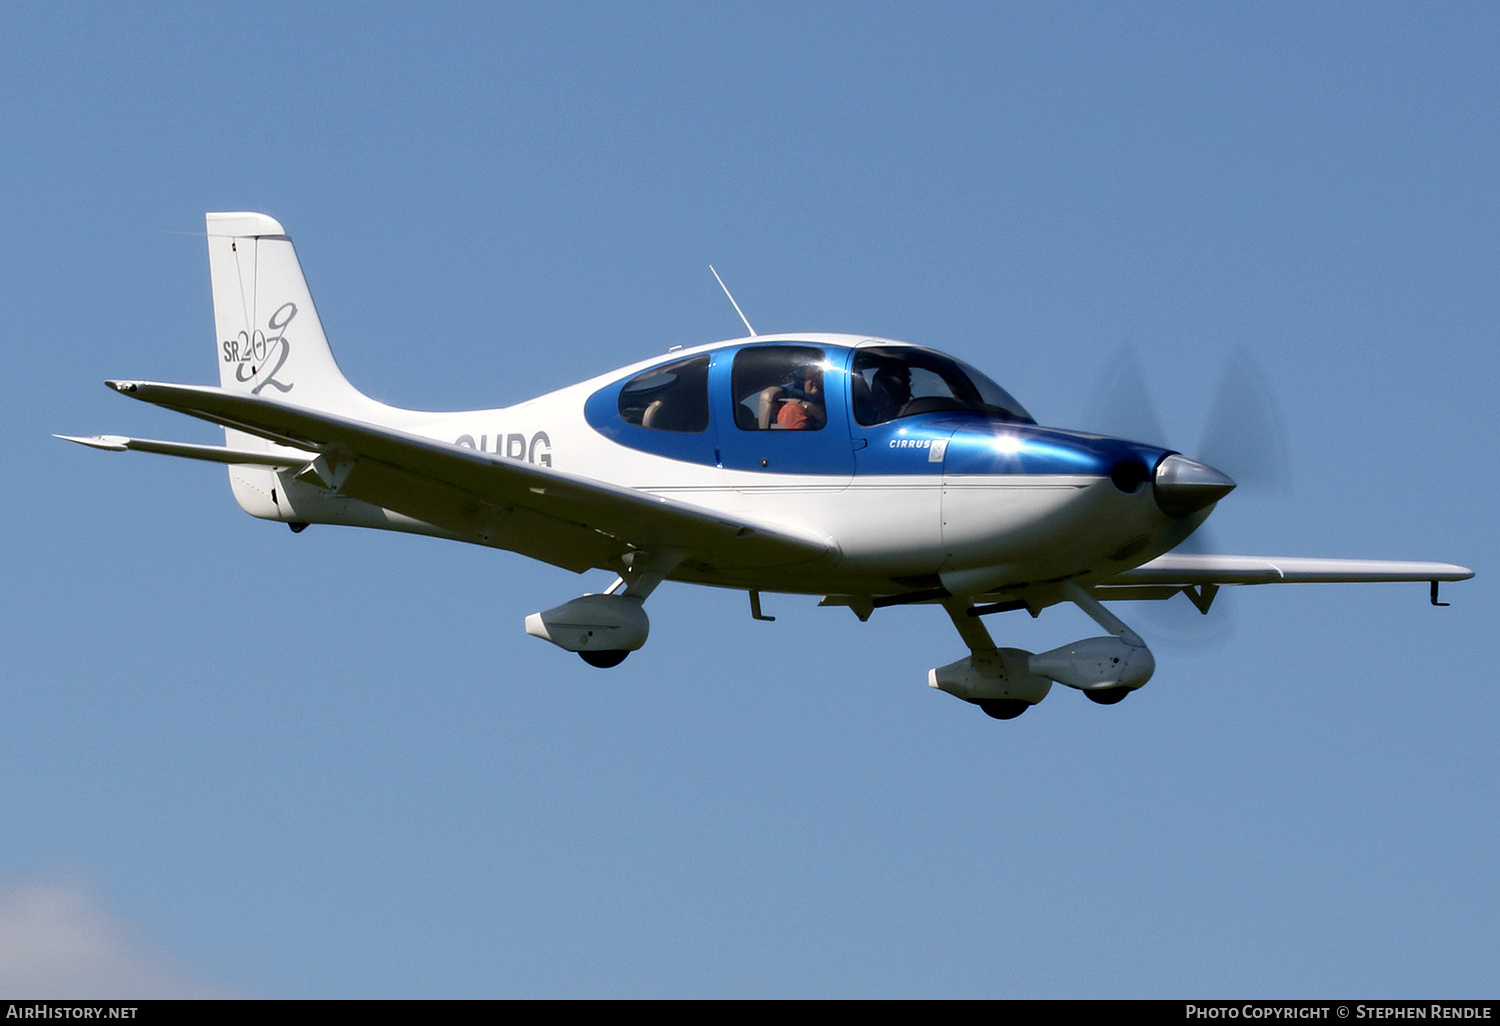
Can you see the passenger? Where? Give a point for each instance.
(807, 413)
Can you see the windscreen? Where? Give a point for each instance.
(890, 382)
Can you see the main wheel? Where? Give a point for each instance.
(605, 659)
(1003, 708)
(1107, 696)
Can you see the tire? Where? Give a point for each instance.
(605, 659)
(1003, 708)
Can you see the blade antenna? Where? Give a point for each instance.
(732, 302)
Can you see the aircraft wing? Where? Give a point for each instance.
(1201, 576)
(564, 519)
(1191, 570)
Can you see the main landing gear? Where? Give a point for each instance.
(604, 629)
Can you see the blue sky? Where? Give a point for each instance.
(240, 761)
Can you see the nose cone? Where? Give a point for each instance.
(1185, 486)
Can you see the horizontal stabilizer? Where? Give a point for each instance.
(187, 450)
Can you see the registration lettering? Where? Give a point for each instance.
(536, 448)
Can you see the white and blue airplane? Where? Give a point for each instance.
(866, 471)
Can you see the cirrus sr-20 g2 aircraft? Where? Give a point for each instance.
(869, 472)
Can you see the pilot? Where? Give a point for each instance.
(890, 390)
(806, 413)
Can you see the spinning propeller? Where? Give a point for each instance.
(1244, 437)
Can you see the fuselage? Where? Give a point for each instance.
(913, 469)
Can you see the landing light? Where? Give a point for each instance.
(1008, 445)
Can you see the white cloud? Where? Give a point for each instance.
(58, 941)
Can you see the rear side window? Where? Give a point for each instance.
(673, 397)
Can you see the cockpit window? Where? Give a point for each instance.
(673, 397)
(779, 388)
(890, 382)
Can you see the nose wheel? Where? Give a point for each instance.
(604, 660)
(1004, 683)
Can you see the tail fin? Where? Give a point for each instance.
(270, 341)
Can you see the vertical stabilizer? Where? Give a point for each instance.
(270, 341)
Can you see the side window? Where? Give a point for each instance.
(673, 397)
(891, 382)
(779, 388)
